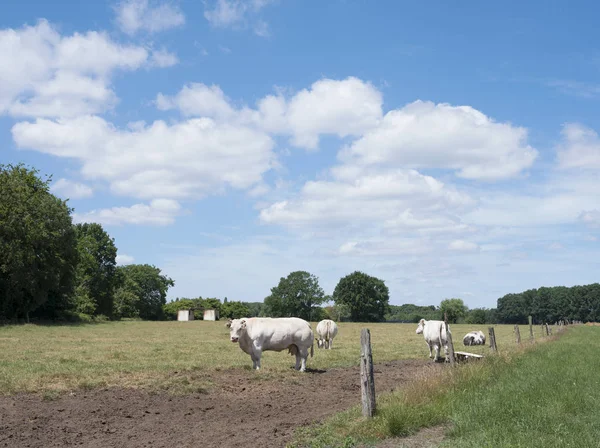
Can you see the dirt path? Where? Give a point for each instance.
(240, 410)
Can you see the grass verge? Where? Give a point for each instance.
(542, 395)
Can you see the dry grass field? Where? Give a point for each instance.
(50, 359)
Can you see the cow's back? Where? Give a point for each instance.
(432, 332)
(279, 333)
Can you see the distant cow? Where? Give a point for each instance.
(474, 338)
(258, 334)
(326, 331)
(434, 332)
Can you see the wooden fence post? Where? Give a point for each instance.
(548, 332)
(492, 339)
(451, 356)
(530, 329)
(367, 381)
(518, 334)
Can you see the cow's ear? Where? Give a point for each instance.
(243, 323)
(228, 324)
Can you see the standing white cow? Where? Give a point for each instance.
(434, 332)
(474, 338)
(326, 331)
(258, 334)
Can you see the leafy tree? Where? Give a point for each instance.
(512, 309)
(126, 298)
(234, 310)
(37, 245)
(254, 308)
(298, 295)
(477, 316)
(338, 312)
(411, 313)
(366, 297)
(148, 286)
(96, 277)
(455, 309)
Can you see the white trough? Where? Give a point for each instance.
(465, 356)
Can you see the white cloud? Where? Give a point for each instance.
(368, 199)
(226, 13)
(458, 138)
(342, 108)
(262, 29)
(199, 100)
(50, 75)
(137, 15)
(463, 246)
(346, 107)
(236, 13)
(193, 158)
(162, 58)
(426, 224)
(379, 247)
(577, 88)
(527, 210)
(123, 259)
(73, 190)
(160, 212)
(580, 147)
(591, 218)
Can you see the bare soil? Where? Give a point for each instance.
(242, 408)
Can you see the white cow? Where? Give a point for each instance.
(474, 338)
(326, 331)
(258, 334)
(434, 332)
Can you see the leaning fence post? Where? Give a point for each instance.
(518, 334)
(530, 328)
(451, 356)
(492, 339)
(367, 382)
(548, 332)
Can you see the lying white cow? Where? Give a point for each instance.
(434, 332)
(474, 338)
(326, 331)
(258, 334)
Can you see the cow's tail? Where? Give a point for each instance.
(312, 345)
(328, 333)
(442, 325)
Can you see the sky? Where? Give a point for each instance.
(451, 150)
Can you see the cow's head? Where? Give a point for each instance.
(421, 326)
(236, 327)
(320, 342)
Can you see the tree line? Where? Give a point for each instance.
(51, 268)
(545, 304)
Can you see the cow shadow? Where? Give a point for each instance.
(314, 371)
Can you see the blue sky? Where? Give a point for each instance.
(451, 150)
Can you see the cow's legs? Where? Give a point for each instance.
(429, 347)
(301, 357)
(330, 344)
(256, 354)
(437, 352)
